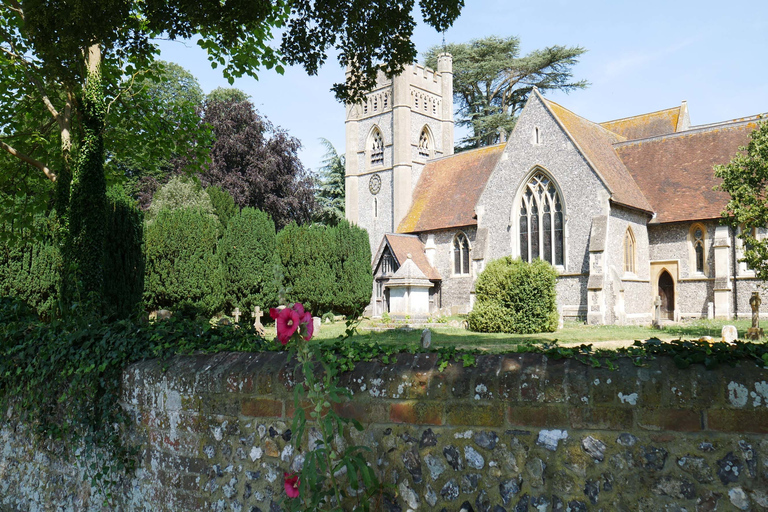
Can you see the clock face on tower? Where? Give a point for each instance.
(374, 184)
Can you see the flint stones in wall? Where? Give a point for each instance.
(550, 438)
(594, 448)
(729, 333)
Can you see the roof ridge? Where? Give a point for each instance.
(703, 128)
(639, 115)
(465, 152)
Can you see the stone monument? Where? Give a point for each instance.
(755, 332)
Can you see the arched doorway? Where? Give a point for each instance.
(667, 294)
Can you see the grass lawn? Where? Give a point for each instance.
(573, 333)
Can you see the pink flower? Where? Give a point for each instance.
(288, 320)
(292, 483)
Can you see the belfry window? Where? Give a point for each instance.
(377, 149)
(629, 251)
(541, 221)
(461, 254)
(424, 144)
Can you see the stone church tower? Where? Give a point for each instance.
(402, 123)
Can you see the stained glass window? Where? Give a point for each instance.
(460, 254)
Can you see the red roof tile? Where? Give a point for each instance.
(596, 144)
(449, 189)
(676, 171)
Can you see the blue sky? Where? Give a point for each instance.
(642, 57)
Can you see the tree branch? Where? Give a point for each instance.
(31, 161)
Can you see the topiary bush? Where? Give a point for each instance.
(514, 296)
(247, 259)
(326, 269)
(181, 263)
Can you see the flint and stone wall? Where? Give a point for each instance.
(514, 433)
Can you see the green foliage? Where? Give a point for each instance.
(326, 269)
(224, 206)
(491, 82)
(515, 297)
(181, 261)
(352, 264)
(330, 191)
(124, 264)
(63, 378)
(226, 94)
(29, 271)
(247, 259)
(84, 236)
(180, 192)
(745, 178)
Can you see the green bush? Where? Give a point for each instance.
(515, 297)
(124, 263)
(223, 205)
(247, 261)
(326, 269)
(180, 192)
(29, 271)
(181, 261)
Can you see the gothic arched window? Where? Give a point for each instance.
(541, 221)
(377, 148)
(424, 145)
(461, 254)
(698, 248)
(629, 251)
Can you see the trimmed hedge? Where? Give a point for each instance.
(515, 297)
(247, 260)
(326, 269)
(181, 261)
(30, 272)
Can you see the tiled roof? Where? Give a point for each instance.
(449, 189)
(596, 144)
(643, 126)
(403, 245)
(676, 171)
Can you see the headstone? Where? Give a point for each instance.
(657, 312)
(316, 321)
(256, 315)
(729, 333)
(559, 316)
(236, 315)
(707, 339)
(164, 314)
(426, 338)
(710, 310)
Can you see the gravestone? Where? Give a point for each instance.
(710, 310)
(755, 332)
(426, 338)
(163, 314)
(657, 312)
(729, 333)
(236, 315)
(316, 321)
(256, 315)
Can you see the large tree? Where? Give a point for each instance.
(66, 53)
(492, 81)
(329, 193)
(256, 163)
(745, 178)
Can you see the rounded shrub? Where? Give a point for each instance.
(247, 260)
(513, 296)
(181, 261)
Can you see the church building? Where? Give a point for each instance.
(625, 210)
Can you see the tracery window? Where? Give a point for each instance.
(629, 251)
(698, 248)
(461, 254)
(424, 144)
(541, 221)
(377, 148)
(388, 263)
